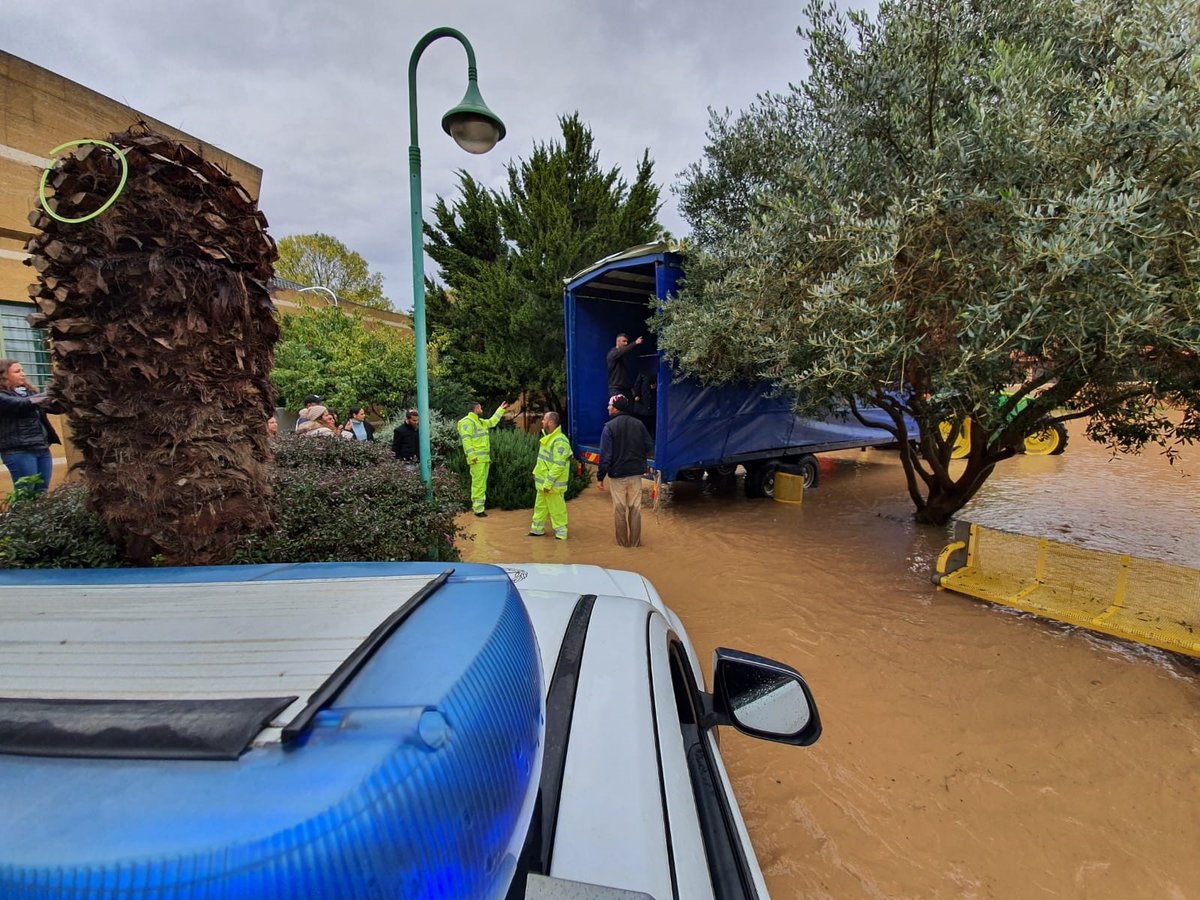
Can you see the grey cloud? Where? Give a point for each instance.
(316, 93)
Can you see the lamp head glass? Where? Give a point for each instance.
(473, 126)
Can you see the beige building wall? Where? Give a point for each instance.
(38, 111)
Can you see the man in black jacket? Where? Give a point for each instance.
(405, 441)
(620, 377)
(625, 447)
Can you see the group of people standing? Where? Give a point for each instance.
(551, 472)
(625, 450)
(316, 419)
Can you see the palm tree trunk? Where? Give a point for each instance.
(162, 333)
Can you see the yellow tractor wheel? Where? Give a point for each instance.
(1049, 440)
(962, 443)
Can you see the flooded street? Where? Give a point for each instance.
(969, 750)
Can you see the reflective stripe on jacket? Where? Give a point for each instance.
(553, 466)
(474, 433)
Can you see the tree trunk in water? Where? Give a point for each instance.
(945, 496)
(162, 333)
(939, 509)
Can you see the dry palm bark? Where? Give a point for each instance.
(162, 334)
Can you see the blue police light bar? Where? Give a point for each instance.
(416, 779)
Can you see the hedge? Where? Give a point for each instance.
(332, 500)
(54, 531)
(338, 500)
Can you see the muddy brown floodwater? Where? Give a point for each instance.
(968, 750)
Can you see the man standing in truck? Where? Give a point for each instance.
(620, 376)
(625, 448)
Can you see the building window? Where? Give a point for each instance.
(24, 344)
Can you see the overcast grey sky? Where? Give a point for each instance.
(316, 92)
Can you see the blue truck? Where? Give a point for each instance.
(697, 429)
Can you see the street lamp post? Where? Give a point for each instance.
(320, 287)
(476, 129)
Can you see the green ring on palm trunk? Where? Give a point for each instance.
(109, 202)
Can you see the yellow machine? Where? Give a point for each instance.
(1049, 440)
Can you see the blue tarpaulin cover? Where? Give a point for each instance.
(695, 426)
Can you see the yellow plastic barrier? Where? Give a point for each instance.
(789, 488)
(1128, 597)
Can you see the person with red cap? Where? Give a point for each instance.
(625, 449)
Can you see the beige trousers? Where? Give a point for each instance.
(627, 509)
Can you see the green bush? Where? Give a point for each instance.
(333, 500)
(444, 442)
(510, 479)
(339, 500)
(383, 434)
(54, 531)
(324, 454)
(443, 437)
(449, 398)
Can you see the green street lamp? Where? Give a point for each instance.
(476, 129)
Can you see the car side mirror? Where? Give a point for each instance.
(763, 698)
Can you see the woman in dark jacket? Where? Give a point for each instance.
(357, 428)
(25, 432)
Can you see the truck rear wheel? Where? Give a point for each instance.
(722, 474)
(760, 479)
(809, 468)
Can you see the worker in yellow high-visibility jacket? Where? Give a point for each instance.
(477, 445)
(550, 474)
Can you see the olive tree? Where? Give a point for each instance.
(965, 212)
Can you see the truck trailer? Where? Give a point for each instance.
(697, 428)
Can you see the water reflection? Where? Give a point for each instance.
(1139, 505)
(969, 750)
